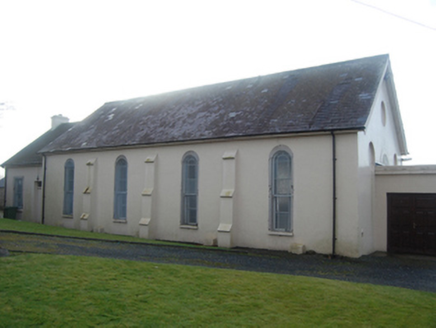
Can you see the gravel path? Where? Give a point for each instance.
(401, 271)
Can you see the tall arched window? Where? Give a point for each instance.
(189, 189)
(120, 198)
(68, 187)
(18, 192)
(281, 191)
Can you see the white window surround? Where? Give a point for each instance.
(189, 227)
(18, 192)
(281, 234)
(120, 189)
(189, 197)
(281, 191)
(68, 189)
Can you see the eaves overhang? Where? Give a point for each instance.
(5, 165)
(303, 133)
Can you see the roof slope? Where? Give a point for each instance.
(29, 155)
(330, 97)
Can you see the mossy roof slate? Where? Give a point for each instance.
(29, 156)
(331, 97)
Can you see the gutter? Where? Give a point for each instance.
(334, 194)
(302, 133)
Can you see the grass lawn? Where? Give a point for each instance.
(70, 291)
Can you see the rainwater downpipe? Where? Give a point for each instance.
(334, 194)
(43, 188)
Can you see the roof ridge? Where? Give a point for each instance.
(198, 87)
(335, 96)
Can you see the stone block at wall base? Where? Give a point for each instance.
(144, 228)
(297, 248)
(84, 223)
(225, 235)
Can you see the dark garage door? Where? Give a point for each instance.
(412, 223)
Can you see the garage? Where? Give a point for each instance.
(412, 223)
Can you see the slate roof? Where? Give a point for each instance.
(331, 97)
(29, 155)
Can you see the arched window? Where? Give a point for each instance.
(189, 189)
(18, 192)
(68, 187)
(281, 191)
(120, 198)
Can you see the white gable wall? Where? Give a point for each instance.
(382, 138)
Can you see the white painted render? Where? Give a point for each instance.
(377, 144)
(399, 179)
(32, 193)
(234, 186)
(233, 189)
(312, 213)
(244, 211)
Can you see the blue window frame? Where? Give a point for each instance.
(190, 189)
(68, 187)
(281, 191)
(18, 192)
(120, 198)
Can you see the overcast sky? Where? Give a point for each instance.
(70, 57)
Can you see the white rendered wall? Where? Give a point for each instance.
(380, 133)
(32, 194)
(347, 191)
(312, 180)
(399, 179)
(313, 197)
(312, 201)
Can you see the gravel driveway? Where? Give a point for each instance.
(401, 271)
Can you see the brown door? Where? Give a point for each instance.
(412, 223)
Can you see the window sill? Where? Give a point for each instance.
(189, 227)
(281, 233)
(119, 221)
(64, 216)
